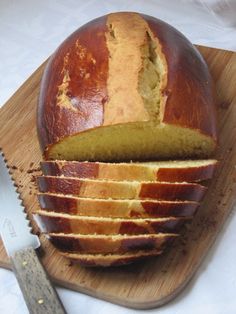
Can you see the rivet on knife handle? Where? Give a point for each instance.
(39, 294)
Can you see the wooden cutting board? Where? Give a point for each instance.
(155, 282)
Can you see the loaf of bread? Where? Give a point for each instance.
(126, 86)
(169, 191)
(63, 223)
(167, 171)
(115, 208)
(110, 243)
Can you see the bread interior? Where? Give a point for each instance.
(134, 141)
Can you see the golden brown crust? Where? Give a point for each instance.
(94, 260)
(128, 171)
(121, 190)
(70, 169)
(186, 174)
(116, 208)
(172, 191)
(74, 93)
(59, 223)
(76, 72)
(109, 244)
(189, 91)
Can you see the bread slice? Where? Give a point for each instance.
(109, 244)
(116, 208)
(51, 222)
(113, 91)
(169, 171)
(121, 190)
(105, 260)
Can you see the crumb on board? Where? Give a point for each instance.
(33, 179)
(164, 271)
(225, 105)
(33, 170)
(70, 264)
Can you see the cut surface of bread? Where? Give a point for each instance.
(105, 260)
(91, 145)
(109, 244)
(62, 223)
(113, 91)
(121, 190)
(169, 171)
(116, 208)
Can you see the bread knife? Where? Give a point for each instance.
(20, 244)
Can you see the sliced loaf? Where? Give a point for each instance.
(109, 244)
(169, 171)
(62, 223)
(105, 260)
(116, 208)
(114, 91)
(121, 190)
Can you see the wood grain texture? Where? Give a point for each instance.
(40, 296)
(159, 279)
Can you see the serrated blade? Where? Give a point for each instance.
(14, 226)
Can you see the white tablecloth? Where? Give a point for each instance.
(29, 32)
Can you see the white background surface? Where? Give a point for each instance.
(30, 31)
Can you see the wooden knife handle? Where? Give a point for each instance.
(39, 294)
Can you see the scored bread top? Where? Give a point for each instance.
(169, 171)
(115, 208)
(121, 189)
(126, 74)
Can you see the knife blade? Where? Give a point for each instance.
(20, 244)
